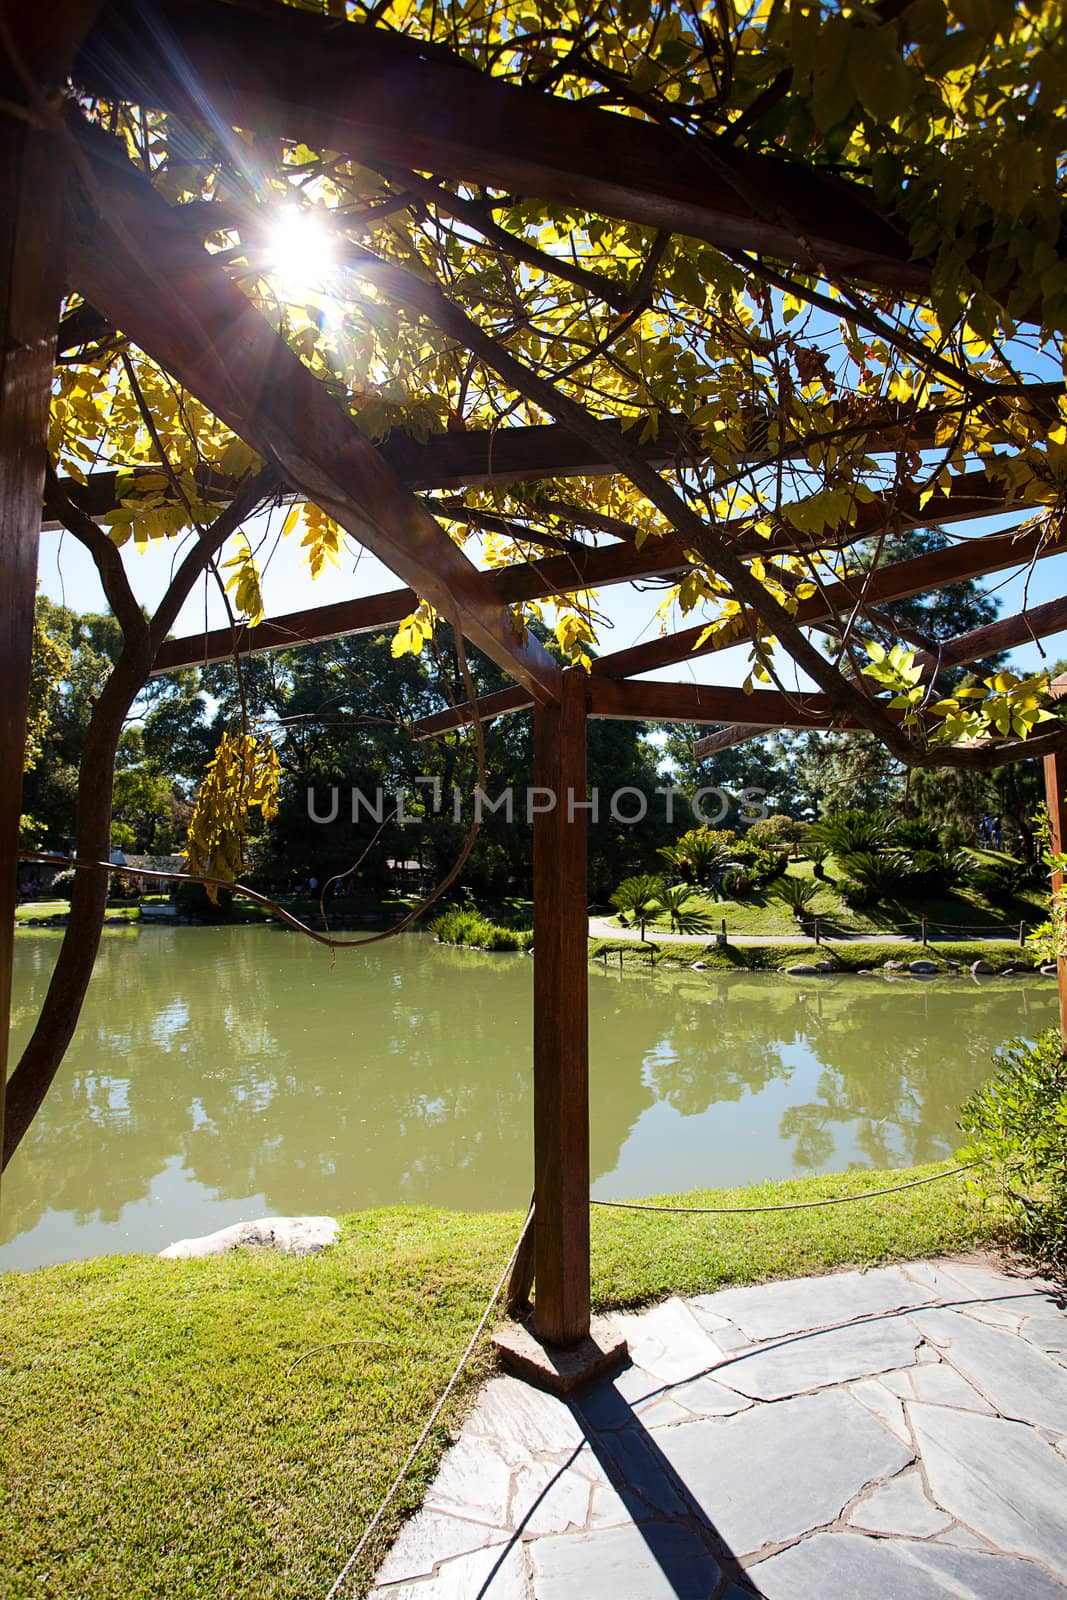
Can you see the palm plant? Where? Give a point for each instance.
(796, 893)
(638, 897)
(696, 855)
(847, 832)
(686, 911)
(876, 873)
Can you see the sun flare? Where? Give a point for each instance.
(302, 253)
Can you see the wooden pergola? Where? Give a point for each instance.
(75, 213)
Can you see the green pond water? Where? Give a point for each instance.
(223, 1073)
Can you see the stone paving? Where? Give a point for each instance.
(899, 1434)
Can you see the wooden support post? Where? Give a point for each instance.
(922, 932)
(560, 1347)
(561, 1019)
(31, 281)
(1055, 793)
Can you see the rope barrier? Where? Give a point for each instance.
(428, 1425)
(794, 1205)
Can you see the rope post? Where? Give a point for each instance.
(722, 935)
(922, 932)
(1022, 935)
(818, 934)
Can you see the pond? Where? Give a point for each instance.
(225, 1073)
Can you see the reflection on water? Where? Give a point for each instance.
(221, 1073)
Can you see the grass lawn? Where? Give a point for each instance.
(157, 1443)
(851, 957)
(957, 910)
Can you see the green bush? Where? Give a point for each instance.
(736, 883)
(851, 832)
(462, 926)
(1001, 881)
(934, 871)
(915, 833)
(796, 893)
(638, 897)
(687, 912)
(1018, 1127)
(879, 873)
(776, 829)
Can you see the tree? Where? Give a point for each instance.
(859, 306)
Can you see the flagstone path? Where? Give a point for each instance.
(900, 1433)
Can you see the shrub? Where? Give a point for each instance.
(638, 897)
(463, 926)
(1000, 881)
(191, 900)
(1018, 1127)
(63, 882)
(796, 893)
(851, 832)
(878, 872)
(776, 829)
(736, 883)
(934, 870)
(697, 854)
(914, 833)
(687, 913)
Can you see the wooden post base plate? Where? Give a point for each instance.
(560, 1371)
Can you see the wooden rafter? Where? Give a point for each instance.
(1007, 633)
(143, 267)
(374, 95)
(598, 567)
(969, 558)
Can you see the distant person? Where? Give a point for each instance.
(998, 834)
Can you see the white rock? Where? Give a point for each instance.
(300, 1236)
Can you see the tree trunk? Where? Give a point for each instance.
(43, 1055)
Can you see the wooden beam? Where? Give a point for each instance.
(145, 270)
(696, 702)
(1007, 633)
(337, 621)
(599, 566)
(1056, 799)
(970, 558)
(561, 1019)
(497, 457)
(1004, 634)
(727, 738)
(480, 458)
(459, 716)
(380, 97)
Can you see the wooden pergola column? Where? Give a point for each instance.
(561, 1018)
(1056, 798)
(31, 283)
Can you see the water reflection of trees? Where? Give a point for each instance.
(405, 1073)
(898, 1058)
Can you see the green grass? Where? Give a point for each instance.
(157, 1442)
(851, 957)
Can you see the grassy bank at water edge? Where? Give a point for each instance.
(158, 1438)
